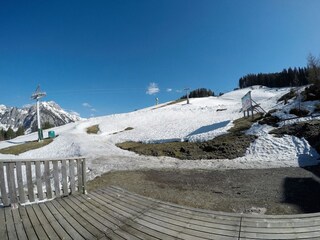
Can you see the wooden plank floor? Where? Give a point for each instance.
(113, 213)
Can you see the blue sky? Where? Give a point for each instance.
(100, 57)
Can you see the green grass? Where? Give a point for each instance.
(94, 129)
(16, 150)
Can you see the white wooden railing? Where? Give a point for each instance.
(33, 180)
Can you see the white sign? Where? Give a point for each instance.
(246, 101)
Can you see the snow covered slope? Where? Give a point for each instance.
(202, 119)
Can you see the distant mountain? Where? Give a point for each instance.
(27, 116)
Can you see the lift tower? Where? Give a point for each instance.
(36, 96)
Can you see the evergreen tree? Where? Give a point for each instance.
(314, 70)
(200, 92)
(285, 78)
(9, 134)
(1, 135)
(20, 131)
(47, 125)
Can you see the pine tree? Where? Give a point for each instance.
(9, 134)
(314, 70)
(47, 125)
(20, 131)
(1, 135)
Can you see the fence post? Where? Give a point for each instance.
(4, 194)
(84, 178)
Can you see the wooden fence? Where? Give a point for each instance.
(23, 181)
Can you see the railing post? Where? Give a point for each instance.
(12, 184)
(84, 178)
(4, 195)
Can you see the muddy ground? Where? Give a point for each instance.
(264, 191)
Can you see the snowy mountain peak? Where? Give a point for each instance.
(50, 112)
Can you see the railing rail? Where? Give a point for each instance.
(23, 181)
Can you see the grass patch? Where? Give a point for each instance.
(228, 146)
(16, 150)
(126, 129)
(243, 124)
(309, 130)
(171, 103)
(94, 129)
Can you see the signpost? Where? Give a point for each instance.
(247, 104)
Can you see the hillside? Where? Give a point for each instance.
(201, 120)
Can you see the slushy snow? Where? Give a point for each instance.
(201, 120)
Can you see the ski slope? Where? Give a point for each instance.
(201, 120)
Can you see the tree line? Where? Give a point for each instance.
(288, 77)
(10, 133)
(200, 92)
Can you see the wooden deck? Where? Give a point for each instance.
(113, 213)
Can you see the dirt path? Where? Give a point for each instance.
(269, 191)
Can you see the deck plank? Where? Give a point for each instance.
(151, 214)
(12, 234)
(36, 224)
(63, 221)
(3, 228)
(113, 213)
(177, 227)
(87, 226)
(44, 222)
(20, 230)
(27, 224)
(58, 229)
(191, 218)
(116, 218)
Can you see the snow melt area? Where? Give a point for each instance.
(201, 120)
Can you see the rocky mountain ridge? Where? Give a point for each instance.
(51, 112)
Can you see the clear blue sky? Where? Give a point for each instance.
(99, 57)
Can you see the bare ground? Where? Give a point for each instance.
(269, 191)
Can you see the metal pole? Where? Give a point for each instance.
(187, 92)
(40, 134)
(38, 114)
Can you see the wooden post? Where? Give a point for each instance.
(29, 182)
(84, 178)
(22, 197)
(4, 194)
(56, 178)
(72, 177)
(12, 184)
(79, 173)
(64, 178)
(47, 179)
(39, 180)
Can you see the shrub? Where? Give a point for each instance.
(299, 112)
(288, 96)
(94, 129)
(311, 93)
